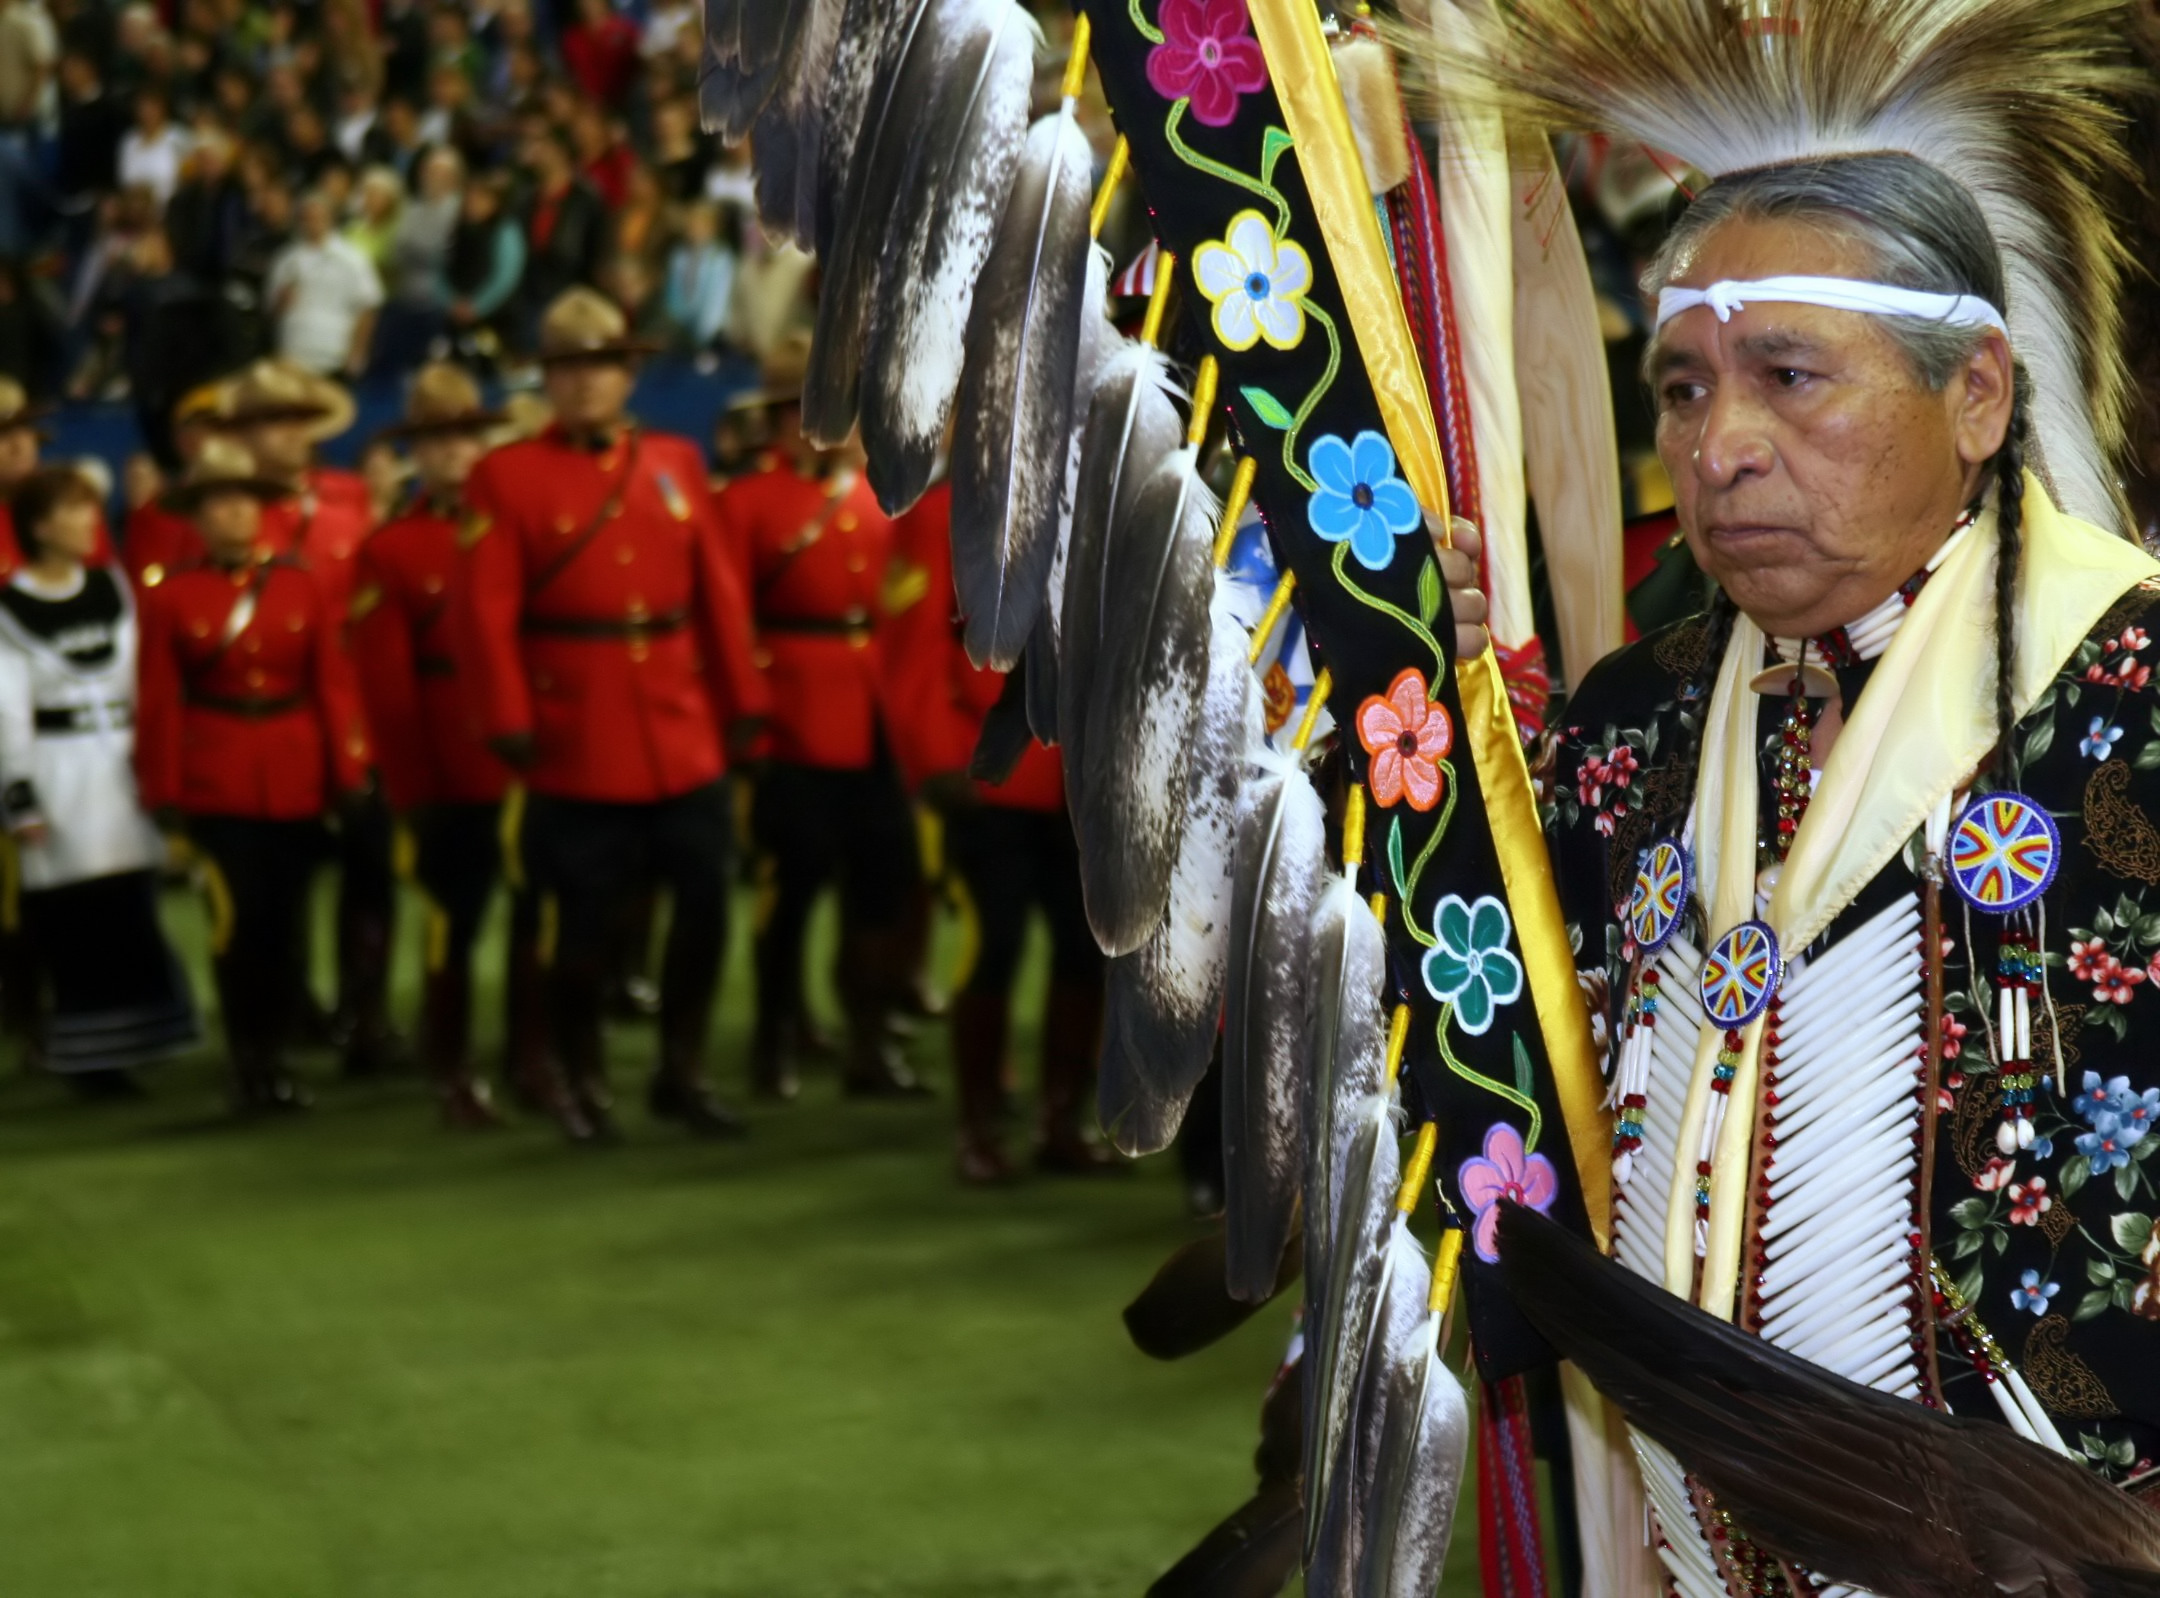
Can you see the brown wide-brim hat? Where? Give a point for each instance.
(17, 411)
(784, 369)
(444, 401)
(223, 467)
(584, 325)
(273, 390)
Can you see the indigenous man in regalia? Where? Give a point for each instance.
(1865, 854)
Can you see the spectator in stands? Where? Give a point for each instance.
(415, 273)
(175, 338)
(395, 140)
(324, 294)
(679, 157)
(627, 281)
(700, 279)
(600, 50)
(207, 216)
(376, 220)
(449, 117)
(604, 156)
(485, 266)
(151, 151)
(566, 228)
(86, 155)
(309, 154)
(507, 41)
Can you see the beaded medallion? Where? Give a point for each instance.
(2003, 853)
(1740, 975)
(1660, 896)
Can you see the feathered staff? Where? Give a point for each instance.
(1857, 1486)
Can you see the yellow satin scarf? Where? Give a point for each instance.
(1917, 735)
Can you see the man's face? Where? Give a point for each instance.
(228, 522)
(18, 453)
(589, 395)
(1813, 471)
(281, 449)
(446, 460)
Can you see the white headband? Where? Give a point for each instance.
(1837, 293)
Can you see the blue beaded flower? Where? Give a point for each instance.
(1360, 500)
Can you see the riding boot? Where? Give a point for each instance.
(446, 1042)
(526, 1066)
(872, 970)
(1071, 1038)
(254, 1039)
(577, 1096)
(978, 1050)
(772, 1059)
(363, 949)
(681, 1091)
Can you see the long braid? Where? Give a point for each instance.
(1717, 634)
(2009, 545)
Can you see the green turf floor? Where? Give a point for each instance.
(356, 1355)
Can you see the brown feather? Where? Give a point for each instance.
(1852, 1484)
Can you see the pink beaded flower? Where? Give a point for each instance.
(1208, 57)
(1505, 1172)
(1407, 736)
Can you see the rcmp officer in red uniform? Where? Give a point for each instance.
(281, 412)
(1012, 847)
(436, 768)
(159, 537)
(249, 733)
(604, 635)
(808, 532)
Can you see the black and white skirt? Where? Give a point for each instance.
(115, 994)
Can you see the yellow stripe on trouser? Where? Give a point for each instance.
(510, 832)
(437, 946)
(217, 894)
(550, 925)
(967, 931)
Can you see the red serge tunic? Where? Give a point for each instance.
(929, 670)
(429, 746)
(248, 705)
(597, 611)
(815, 552)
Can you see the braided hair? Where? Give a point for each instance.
(2009, 547)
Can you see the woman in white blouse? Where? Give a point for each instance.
(113, 995)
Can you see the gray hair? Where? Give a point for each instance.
(1918, 226)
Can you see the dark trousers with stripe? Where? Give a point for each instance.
(590, 859)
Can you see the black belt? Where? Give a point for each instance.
(631, 627)
(84, 718)
(829, 626)
(434, 666)
(252, 709)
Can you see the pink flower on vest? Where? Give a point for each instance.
(1207, 56)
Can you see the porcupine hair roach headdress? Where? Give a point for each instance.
(2007, 97)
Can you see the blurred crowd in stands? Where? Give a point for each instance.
(358, 185)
